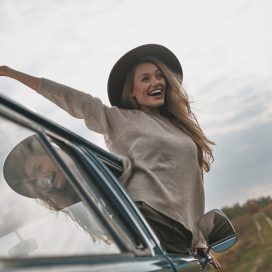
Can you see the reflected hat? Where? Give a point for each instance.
(13, 169)
(126, 62)
(21, 183)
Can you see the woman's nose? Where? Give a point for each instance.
(155, 82)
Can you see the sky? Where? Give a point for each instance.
(224, 48)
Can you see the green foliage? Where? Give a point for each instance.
(252, 222)
(249, 207)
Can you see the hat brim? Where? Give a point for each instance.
(126, 62)
(13, 169)
(21, 183)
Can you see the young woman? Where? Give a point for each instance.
(150, 124)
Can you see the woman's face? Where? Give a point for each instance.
(44, 172)
(149, 87)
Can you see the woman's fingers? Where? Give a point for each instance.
(3, 70)
(215, 263)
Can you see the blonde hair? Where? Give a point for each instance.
(177, 108)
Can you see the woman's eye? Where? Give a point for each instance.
(160, 75)
(145, 78)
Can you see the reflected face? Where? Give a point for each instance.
(149, 87)
(44, 172)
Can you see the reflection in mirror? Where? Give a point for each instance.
(40, 213)
(23, 248)
(217, 230)
(219, 247)
(29, 171)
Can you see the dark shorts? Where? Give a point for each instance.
(174, 237)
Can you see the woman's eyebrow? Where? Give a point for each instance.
(148, 73)
(144, 74)
(158, 71)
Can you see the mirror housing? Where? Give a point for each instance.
(217, 231)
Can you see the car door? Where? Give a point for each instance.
(95, 228)
(181, 263)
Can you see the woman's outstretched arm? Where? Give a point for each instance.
(28, 80)
(97, 116)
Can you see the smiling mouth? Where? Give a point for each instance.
(155, 93)
(51, 180)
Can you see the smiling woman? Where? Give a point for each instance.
(45, 172)
(152, 128)
(149, 87)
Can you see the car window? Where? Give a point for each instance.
(79, 163)
(41, 212)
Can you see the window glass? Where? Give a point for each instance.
(76, 158)
(41, 214)
(129, 229)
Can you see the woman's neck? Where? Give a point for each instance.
(151, 110)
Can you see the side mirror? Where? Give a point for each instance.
(217, 230)
(23, 248)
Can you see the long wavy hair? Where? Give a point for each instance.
(177, 108)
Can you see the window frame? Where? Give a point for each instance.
(84, 190)
(99, 157)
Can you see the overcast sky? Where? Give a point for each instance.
(224, 47)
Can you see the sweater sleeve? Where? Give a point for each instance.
(97, 116)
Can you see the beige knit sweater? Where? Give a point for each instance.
(165, 171)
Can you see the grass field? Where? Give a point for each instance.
(253, 250)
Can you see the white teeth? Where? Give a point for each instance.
(51, 180)
(155, 92)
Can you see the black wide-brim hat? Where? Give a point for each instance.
(126, 62)
(13, 169)
(19, 181)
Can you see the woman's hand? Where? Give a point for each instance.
(214, 262)
(202, 252)
(4, 70)
(28, 80)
